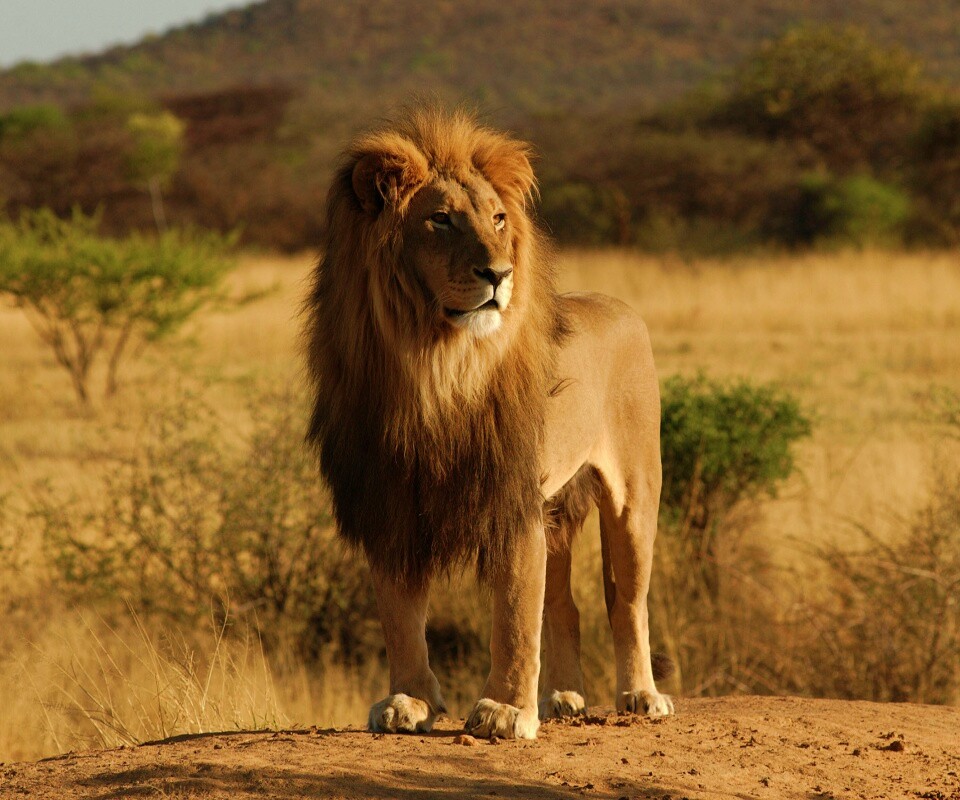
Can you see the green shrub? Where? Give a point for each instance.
(865, 211)
(725, 446)
(723, 443)
(87, 295)
(27, 120)
(858, 210)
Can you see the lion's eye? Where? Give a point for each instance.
(441, 218)
(499, 221)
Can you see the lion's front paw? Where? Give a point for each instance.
(653, 704)
(562, 704)
(490, 718)
(400, 713)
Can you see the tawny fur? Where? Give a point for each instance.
(430, 441)
(465, 411)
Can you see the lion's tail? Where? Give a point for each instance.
(609, 581)
(663, 666)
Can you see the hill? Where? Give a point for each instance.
(729, 747)
(533, 55)
(702, 127)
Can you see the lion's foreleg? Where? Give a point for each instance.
(629, 533)
(414, 700)
(508, 707)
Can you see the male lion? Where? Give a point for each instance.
(466, 411)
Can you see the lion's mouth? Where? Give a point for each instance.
(491, 305)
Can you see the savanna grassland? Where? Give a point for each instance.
(868, 341)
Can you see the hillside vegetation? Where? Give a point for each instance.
(669, 126)
(530, 56)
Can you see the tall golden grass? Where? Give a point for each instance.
(859, 337)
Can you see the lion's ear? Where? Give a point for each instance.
(386, 173)
(506, 164)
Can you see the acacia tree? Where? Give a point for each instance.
(87, 295)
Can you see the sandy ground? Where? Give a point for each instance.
(713, 748)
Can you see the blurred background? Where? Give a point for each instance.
(774, 185)
(708, 127)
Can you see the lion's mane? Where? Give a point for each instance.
(430, 439)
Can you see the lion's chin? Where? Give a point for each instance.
(480, 323)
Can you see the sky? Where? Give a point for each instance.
(41, 30)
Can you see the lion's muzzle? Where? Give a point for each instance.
(495, 275)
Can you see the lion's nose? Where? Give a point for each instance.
(494, 276)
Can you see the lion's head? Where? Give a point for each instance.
(433, 325)
(428, 221)
(450, 198)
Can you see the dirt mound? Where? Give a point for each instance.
(728, 747)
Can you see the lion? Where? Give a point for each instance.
(466, 412)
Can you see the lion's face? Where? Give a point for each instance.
(441, 207)
(457, 243)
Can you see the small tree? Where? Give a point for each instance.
(86, 295)
(157, 143)
(723, 443)
(858, 210)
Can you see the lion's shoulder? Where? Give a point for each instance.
(600, 315)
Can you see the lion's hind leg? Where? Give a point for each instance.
(628, 526)
(562, 692)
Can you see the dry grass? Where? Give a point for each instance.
(81, 682)
(859, 337)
